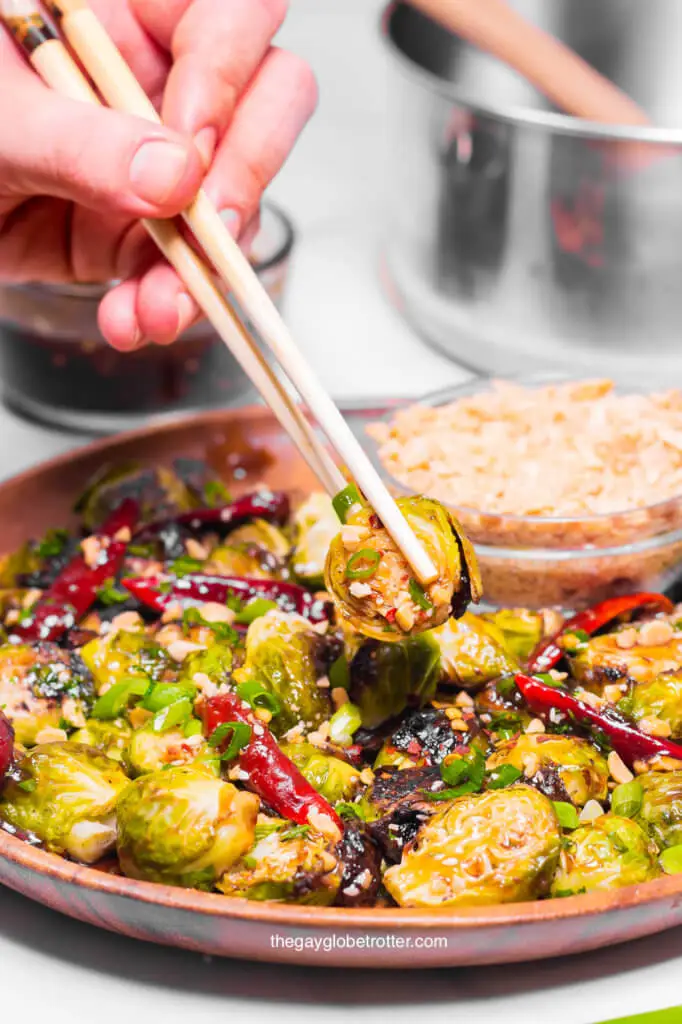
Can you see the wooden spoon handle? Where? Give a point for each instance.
(559, 73)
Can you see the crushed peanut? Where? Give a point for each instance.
(535, 726)
(212, 611)
(180, 649)
(614, 691)
(618, 769)
(352, 536)
(591, 811)
(367, 776)
(531, 763)
(655, 727)
(51, 735)
(91, 548)
(404, 616)
(196, 550)
(123, 536)
(627, 638)
(655, 633)
(339, 697)
(458, 725)
(360, 590)
(464, 699)
(323, 683)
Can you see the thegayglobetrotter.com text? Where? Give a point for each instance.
(329, 943)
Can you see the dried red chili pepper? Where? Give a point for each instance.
(271, 774)
(627, 740)
(274, 506)
(6, 746)
(197, 588)
(75, 590)
(549, 651)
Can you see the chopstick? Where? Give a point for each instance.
(58, 70)
(117, 83)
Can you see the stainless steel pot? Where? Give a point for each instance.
(517, 236)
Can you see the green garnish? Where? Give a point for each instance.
(162, 695)
(172, 715)
(184, 565)
(257, 696)
(28, 785)
(547, 679)
(463, 775)
(222, 630)
(240, 734)
(566, 814)
(418, 596)
(671, 860)
(505, 775)
(110, 594)
(263, 831)
(117, 697)
(295, 832)
(348, 810)
(339, 674)
(626, 799)
(255, 609)
(344, 501)
(52, 544)
(216, 493)
(193, 727)
(363, 564)
(344, 723)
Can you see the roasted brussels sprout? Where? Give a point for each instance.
(501, 709)
(41, 687)
(602, 660)
(285, 655)
(287, 862)
(183, 827)
(423, 737)
(660, 699)
(521, 629)
(472, 651)
(495, 847)
(660, 814)
(316, 524)
(564, 768)
(333, 778)
(361, 860)
(159, 491)
(372, 585)
(66, 794)
(385, 678)
(609, 853)
(113, 658)
(108, 738)
(256, 549)
(397, 804)
(151, 751)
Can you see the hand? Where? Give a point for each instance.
(75, 179)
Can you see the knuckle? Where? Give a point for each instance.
(299, 74)
(276, 10)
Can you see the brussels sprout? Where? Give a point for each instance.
(521, 629)
(361, 859)
(502, 709)
(41, 687)
(495, 847)
(372, 585)
(66, 794)
(423, 737)
(472, 651)
(564, 768)
(315, 524)
(183, 827)
(215, 662)
(108, 738)
(230, 560)
(609, 853)
(333, 778)
(283, 655)
(159, 491)
(385, 678)
(602, 661)
(661, 698)
(151, 751)
(287, 863)
(660, 814)
(112, 659)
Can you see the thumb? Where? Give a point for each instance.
(95, 157)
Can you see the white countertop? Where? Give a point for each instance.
(63, 972)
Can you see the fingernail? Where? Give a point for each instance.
(157, 170)
(206, 141)
(232, 221)
(186, 311)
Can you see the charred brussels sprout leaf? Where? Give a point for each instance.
(385, 678)
(42, 687)
(333, 778)
(66, 794)
(361, 860)
(609, 853)
(285, 656)
(423, 737)
(564, 768)
(373, 587)
(316, 524)
(183, 827)
(472, 651)
(159, 492)
(495, 847)
(660, 812)
(286, 864)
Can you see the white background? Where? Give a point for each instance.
(56, 970)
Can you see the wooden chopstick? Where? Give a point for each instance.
(58, 70)
(117, 83)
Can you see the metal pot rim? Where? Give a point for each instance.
(543, 120)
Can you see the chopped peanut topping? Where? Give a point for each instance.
(339, 697)
(91, 548)
(123, 536)
(536, 726)
(627, 639)
(360, 590)
(655, 633)
(179, 649)
(618, 769)
(404, 616)
(655, 727)
(591, 811)
(196, 550)
(352, 536)
(51, 735)
(212, 611)
(464, 699)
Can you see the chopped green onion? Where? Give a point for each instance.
(28, 785)
(671, 860)
(419, 597)
(344, 501)
(348, 810)
(162, 695)
(344, 723)
(626, 799)
(450, 794)
(193, 727)
(222, 630)
(547, 679)
(465, 774)
(110, 594)
(172, 715)
(505, 775)
(254, 610)
(216, 493)
(566, 814)
(117, 697)
(356, 570)
(240, 734)
(257, 696)
(184, 565)
(295, 832)
(339, 674)
(264, 830)
(52, 544)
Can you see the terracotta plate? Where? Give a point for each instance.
(215, 924)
